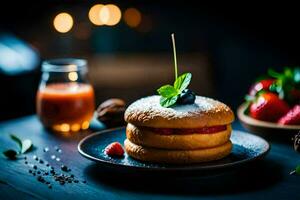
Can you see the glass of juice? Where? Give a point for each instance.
(65, 99)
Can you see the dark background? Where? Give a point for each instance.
(227, 46)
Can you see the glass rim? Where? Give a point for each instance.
(64, 65)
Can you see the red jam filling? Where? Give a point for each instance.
(186, 131)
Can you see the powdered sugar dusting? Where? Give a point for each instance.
(151, 105)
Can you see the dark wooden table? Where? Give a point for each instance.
(266, 179)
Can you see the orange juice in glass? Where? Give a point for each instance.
(65, 99)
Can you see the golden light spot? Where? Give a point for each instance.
(64, 127)
(104, 15)
(132, 17)
(110, 14)
(56, 127)
(63, 22)
(75, 127)
(73, 76)
(94, 14)
(85, 125)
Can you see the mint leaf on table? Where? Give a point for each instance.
(182, 82)
(26, 146)
(17, 140)
(167, 91)
(167, 102)
(11, 154)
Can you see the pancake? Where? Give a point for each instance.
(177, 156)
(180, 134)
(145, 137)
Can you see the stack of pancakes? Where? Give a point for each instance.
(181, 134)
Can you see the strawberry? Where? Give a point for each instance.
(268, 107)
(114, 149)
(292, 117)
(261, 85)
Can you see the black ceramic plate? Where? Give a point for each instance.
(246, 147)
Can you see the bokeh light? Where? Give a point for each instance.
(104, 14)
(73, 76)
(65, 128)
(109, 14)
(75, 127)
(112, 13)
(132, 17)
(63, 22)
(85, 125)
(94, 14)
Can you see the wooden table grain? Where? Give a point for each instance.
(264, 179)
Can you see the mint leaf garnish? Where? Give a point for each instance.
(167, 102)
(174, 53)
(170, 94)
(183, 81)
(167, 91)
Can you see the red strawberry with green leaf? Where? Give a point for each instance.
(292, 117)
(287, 84)
(268, 107)
(260, 85)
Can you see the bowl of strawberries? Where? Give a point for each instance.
(273, 103)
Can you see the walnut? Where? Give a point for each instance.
(111, 112)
